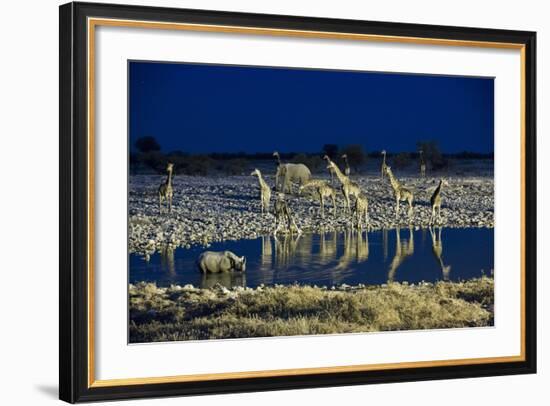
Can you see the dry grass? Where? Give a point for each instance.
(176, 313)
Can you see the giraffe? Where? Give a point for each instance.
(361, 210)
(323, 190)
(436, 199)
(403, 250)
(400, 193)
(265, 191)
(330, 171)
(166, 192)
(383, 166)
(347, 169)
(437, 250)
(284, 215)
(349, 188)
(422, 164)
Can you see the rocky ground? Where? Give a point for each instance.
(189, 313)
(208, 209)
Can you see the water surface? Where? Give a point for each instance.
(333, 258)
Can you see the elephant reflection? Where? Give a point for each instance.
(403, 250)
(226, 279)
(437, 250)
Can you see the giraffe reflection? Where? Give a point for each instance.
(437, 249)
(302, 250)
(328, 248)
(403, 250)
(356, 250)
(167, 261)
(266, 259)
(285, 249)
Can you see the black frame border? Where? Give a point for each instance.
(73, 195)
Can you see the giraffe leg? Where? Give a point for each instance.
(170, 205)
(397, 207)
(321, 199)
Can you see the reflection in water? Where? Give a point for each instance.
(330, 258)
(385, 243)
(267, 254)
(167, 259)
(227, 279)
(328, 247)
(403, 250)
(285, 249)
(437, 249)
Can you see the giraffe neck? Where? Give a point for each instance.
(262, 181)
(384, 159)
(438, 190)
(341, 177)
(394, 182)
(169, 179)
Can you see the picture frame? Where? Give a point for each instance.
(77, 284)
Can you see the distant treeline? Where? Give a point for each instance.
(148, 157)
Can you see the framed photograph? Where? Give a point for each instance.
(257, 202)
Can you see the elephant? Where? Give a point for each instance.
(216, 262)
(291, 173)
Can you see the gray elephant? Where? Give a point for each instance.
(289, 174)
(216, 262)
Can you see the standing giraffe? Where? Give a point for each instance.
(166, 192)
(323, 190)
(384, 166)
(265, 191)
(347, 169)
(330, 171)
(284, 215)
(436, 200)
(422, 164)
(437, 250)
(349, 188)
(361, 210)
(400, 192)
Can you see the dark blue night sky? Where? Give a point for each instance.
(216, 108)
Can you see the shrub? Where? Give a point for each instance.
(356, 156)
(401, 160)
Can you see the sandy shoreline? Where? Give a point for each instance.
(211, 209)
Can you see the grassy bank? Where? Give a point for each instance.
(187, 313)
